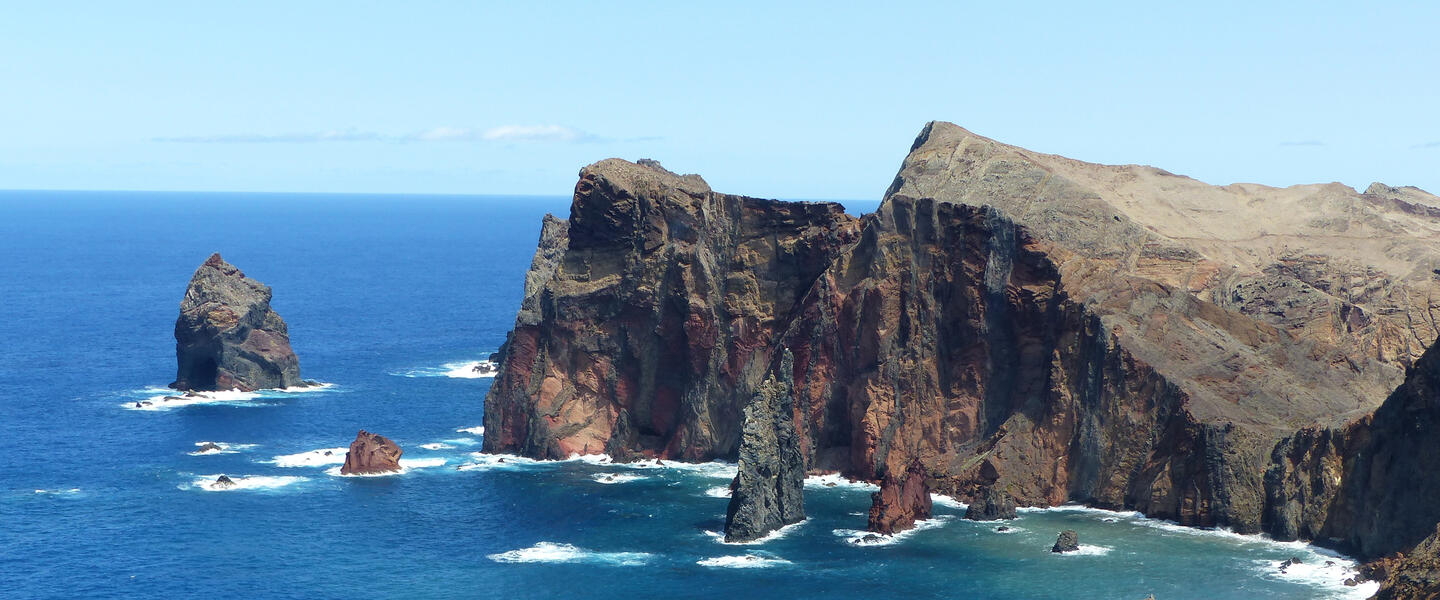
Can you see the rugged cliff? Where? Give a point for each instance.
(1057, 330)
(652, 314)
(227, 337)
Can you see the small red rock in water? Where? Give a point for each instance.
(371, 453)
(901, 501)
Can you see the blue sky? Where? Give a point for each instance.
(800, 101)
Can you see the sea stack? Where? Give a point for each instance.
(371, 454)
(227, 337)
(902, 500)
(1067, 541)
(768, 491)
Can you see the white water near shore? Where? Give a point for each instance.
(552, 552)
(161, 399)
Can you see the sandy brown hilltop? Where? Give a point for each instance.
(1006, 321)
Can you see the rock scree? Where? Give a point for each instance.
(227, 337)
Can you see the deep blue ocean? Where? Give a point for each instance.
(387, 297)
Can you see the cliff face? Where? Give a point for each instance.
(1053, 329)
(1368, 486)
(1414, 576)
(227, 337)
(652, 314)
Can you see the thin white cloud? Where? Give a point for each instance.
(558, 134)
(1303, 143)
(348, 135)
(1426, 145)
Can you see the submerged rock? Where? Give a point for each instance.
(227, 337)
(902, 500)
(992, 505)
(1068, 541)
(371, 454)
(768, 490)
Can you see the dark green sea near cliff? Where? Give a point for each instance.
(388, 299)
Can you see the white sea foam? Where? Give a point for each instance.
(224, 448)
(769, 537)
(948, 502)
(163, 399)
(484, 462)
(716, 469)
(719, 491)
(1085, 550)
(1313, 571)
(743, 561)
(464, 441)
(59, 492)
(242, 482)
(551, 552)
(863, 538)
(609, 478)
(312, 458)
(456, 370)
(437, 446)
(835, 480)
(406, 465)
(477, 430)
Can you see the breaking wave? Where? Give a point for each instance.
(242, 482)
(473, 369)
(158, 399)
(551, 552)
(744, 561)
(868, 538)
(311, 458)
(719, 536)
(611, 478)
(219, 448)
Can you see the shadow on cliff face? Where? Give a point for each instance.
(1003, 318)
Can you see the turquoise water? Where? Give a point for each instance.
(388, 298)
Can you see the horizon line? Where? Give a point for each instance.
(432, 194)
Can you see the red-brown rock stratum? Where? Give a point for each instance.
(1057, 330)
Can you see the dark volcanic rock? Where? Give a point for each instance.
(902, 500)
(1412, 576)
(1113, 335)
(209, 447)
(1068, 541)
(768, 491)
(991, 505)
(650, 316)
(227, 337)
(223, 482)
(371, 454)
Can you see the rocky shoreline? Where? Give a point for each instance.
(1006, 320)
